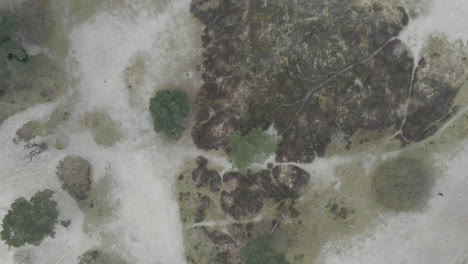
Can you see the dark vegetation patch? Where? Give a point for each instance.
(339, 210)
(401, 184)
(75, 174)
(99, 256)
(213, 247)
(317, 72)
(240, 195)
(202, 177)
(237, 198)
(259, 251)
(268, 63)
(65, 223)
(291, 179)
(26, 79)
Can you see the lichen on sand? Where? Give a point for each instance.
(105, 131)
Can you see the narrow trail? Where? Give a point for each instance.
(408, 100)
(453, 119)
(311, 91)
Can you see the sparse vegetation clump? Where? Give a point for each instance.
(401, 184)
(170, 109)
(29, 222)
(253, 147)
(259, 251)
(75, 174)
(98, 256)
(104, 129)
(10, 44)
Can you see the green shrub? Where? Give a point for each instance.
(254, 147)
(30, 221)
(170, 109)
(259, 251)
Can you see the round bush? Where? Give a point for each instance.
(170, 109)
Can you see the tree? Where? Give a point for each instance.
(170, 109)
(253, 147)
(30, 221)
(259, 251)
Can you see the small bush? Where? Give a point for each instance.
(401, 184)
(30, 221)
(98, 256)
(259, 251)
(254, 147)
(170, 109)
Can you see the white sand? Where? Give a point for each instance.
(142, 164)
(436, 236)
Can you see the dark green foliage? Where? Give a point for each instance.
(253, 147)
(30, 221)
(170, 109)
(259, 251)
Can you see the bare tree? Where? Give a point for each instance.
(34, 150)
